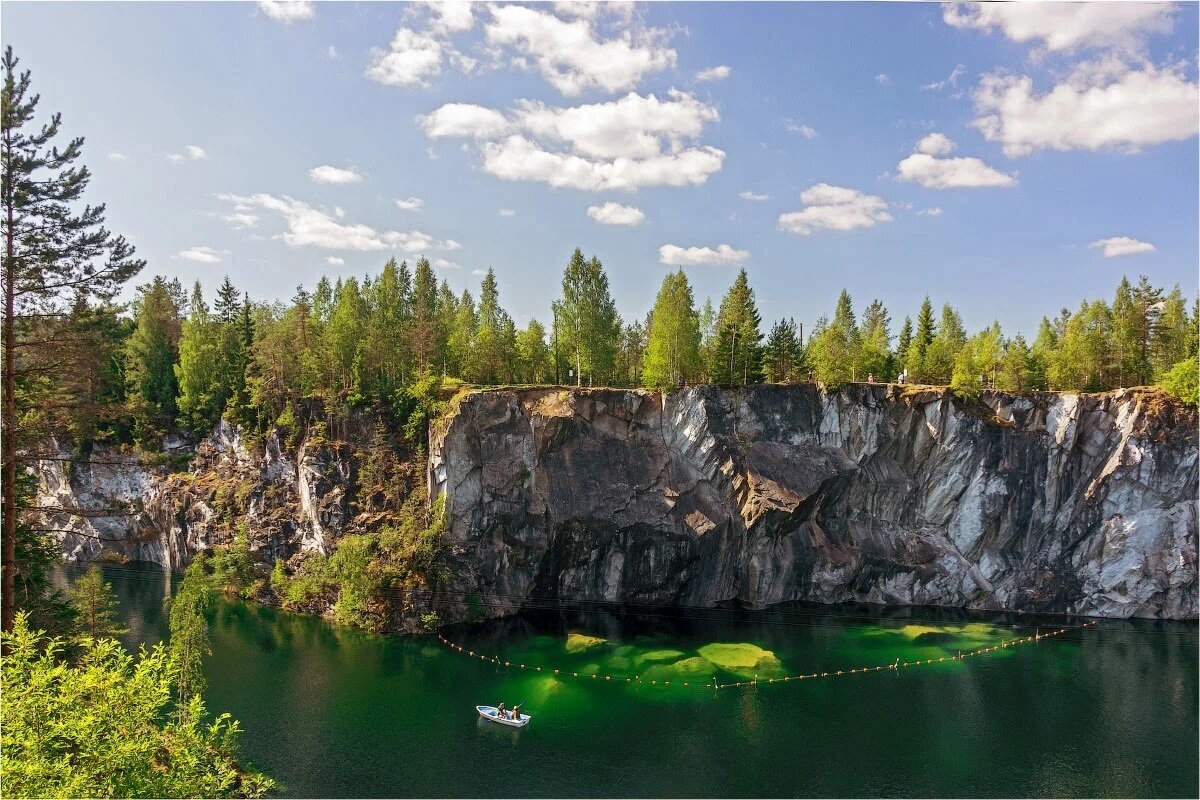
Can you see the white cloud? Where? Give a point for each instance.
(332, 52)
(800, 128)
(117, 157)
(203, 254)
(192, 153)
(507, 212)
(714, 73)
(451, 16)
(479, 273)
(410, 204)
(240, 219)
(951, 80)
(411, 59)
(748, 195)
(441, 263)
(287, 11)
(1101, 105)
(334, 261)
(336, 175)
(1065, 26)
(622, 144)
(883, 79)
(924, 167)
(1122, 246)
(834, 208)
(313, 227)
(571, 54)
(930, 212)
(936, 144)
(463, 120)
(691, 256)
(951, 173)
(616, 214)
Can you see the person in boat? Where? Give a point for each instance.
(500, 712)
(516, 712)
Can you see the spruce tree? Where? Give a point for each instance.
(150, 358)
(56, 256)
(782, 355)
(903, 342)
(915, 358)
(95, 605)
(735, 358)
(586, 318)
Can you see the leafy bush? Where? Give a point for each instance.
(1183, 381)
(100, 727)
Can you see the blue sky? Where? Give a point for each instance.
(1066, 154)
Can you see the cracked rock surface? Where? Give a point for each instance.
(1052, 502)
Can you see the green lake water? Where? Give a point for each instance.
(331, 712)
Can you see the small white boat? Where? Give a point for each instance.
(490, 713)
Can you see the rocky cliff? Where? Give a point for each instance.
(1055, 502)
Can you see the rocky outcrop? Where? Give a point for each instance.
(288, 504)
(1054, 502)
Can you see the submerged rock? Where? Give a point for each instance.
(579, 642)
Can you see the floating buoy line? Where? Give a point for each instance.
(896, 665)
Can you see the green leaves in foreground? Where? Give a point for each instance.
(102, 727)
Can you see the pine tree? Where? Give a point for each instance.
(673, 350)
(150, 359)
(1124, 347)
(586, 319)
(1014, 374)
(199, 371)
(875, 354)
(95, 605)
(424, 332)
(1147, 300)
(915, 359)
(56, 255)
(783, 358)
(903, 342)
(941, 353)
(735, 358)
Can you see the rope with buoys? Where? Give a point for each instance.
(896, 665)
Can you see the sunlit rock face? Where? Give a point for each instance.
(1081, 503)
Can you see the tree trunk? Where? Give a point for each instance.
(8, 445)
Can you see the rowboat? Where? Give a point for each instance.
(490, 713)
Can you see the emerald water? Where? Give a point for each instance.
(330, 712)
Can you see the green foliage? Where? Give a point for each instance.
(1182, 381)
(417, 404)
(99, 727)
(586, 319)
(233, 566)
(735, 353)
(95, 606)
(189, 633)
(673, 352)
(150, 358)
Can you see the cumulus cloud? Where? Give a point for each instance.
(748, 195)
(1065, 26)
(410, 204)
(334, 261)
(616, 214)
(883, 79)
(936, 144)
(203, 254)
(714, 73)
(479, 273)
(411, 59)
(287, 11)
(332, 52)
(930, 212)
(507, 212)
(451, 16)
(675, 255)
(800, 128)
(441, 263)
(336, 175)
(951, 80)
(190, 152)
(307, 226)
(835, 208)
(924, 167)
(117, 157)
(621, 144)
(1101, 105)
(1122, 246)
(572, 55)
